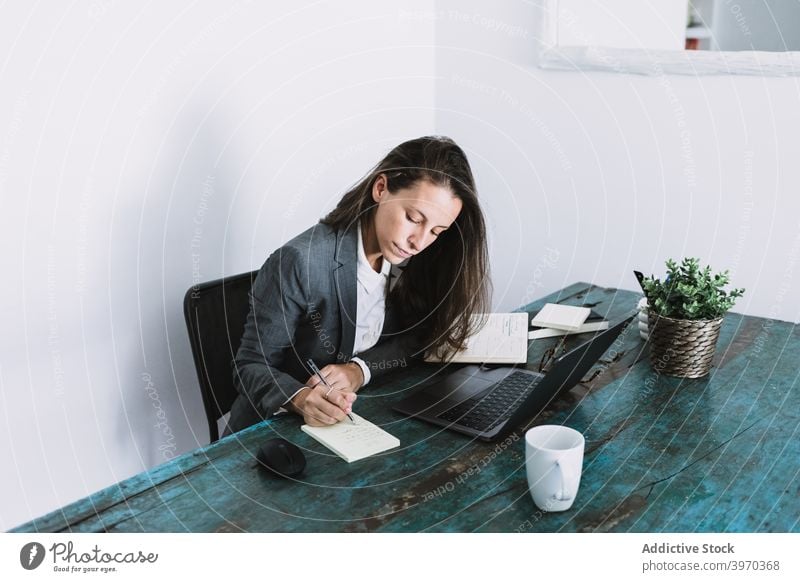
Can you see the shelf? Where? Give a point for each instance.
(698, 32)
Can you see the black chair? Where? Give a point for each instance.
(215, 316)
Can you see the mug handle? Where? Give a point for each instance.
(562, 471)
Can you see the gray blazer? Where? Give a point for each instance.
(303, 305)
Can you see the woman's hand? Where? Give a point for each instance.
(345, 377)
(321, 406)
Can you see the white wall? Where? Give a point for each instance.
(644, 24)
(762, 25)
(146, 148)
(588, 176)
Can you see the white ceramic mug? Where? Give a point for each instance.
(553, 461)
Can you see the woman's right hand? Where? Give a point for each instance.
(317, 410)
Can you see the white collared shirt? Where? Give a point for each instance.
(371, 305)
(370, 308)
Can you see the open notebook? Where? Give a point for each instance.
(502, 340)
(353, 441)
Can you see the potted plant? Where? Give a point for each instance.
(685, 314)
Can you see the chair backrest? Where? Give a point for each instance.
(215, 316)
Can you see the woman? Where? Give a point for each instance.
(396, 269)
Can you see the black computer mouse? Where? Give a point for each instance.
(282, 457)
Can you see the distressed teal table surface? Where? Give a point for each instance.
(662, 455)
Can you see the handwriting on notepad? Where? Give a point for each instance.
(501, 339)
(500, 334)
(353, 441)
(351, 434)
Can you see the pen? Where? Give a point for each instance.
(316, 370)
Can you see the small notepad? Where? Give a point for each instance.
(566, 317)
(594, 322)
(353, 441)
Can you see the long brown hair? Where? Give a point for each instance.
(444, 285)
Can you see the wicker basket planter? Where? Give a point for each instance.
(682, 347)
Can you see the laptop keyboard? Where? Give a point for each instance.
(483, 414)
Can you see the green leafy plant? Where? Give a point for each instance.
(690, 292)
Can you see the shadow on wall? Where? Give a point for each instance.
(179, 243)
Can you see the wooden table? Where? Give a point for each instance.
(662, 455)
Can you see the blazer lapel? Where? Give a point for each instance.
(345, 265)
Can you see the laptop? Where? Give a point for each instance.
(488, 402)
